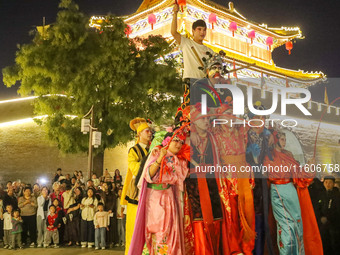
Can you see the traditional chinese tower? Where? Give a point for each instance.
(244, 42)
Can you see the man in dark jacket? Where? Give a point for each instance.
(330, 217)
(10, 199)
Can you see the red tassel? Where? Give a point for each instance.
(289, 52)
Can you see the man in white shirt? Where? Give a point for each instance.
(193, 50)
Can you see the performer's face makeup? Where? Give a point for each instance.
(199, 34)
(175, 146)
(202, 123)
(282, 142)
(215, 71)
(145, 135)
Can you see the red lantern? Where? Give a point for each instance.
(233, 27)
(212, 19)
(128, 30)
(152, 20)
(289, 46)
(269, 42)
(182, 4)
(251, 35)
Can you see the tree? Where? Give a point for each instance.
(79, 67)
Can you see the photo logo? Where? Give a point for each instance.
(238, 99)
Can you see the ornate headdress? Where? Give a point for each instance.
(138, 124)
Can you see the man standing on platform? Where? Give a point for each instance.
(193, 52)
(130, 192)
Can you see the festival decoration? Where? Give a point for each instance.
(152, 20)
(212, 19)
(289, 46)
(128, 30)
(251, 35)
(269, 42)
(233, 27)
(182, 4)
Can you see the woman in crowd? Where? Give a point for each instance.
(72, 227)
(28, 207)
(109, 199)
(43, 202)
(36, 190)
(89, 207)
(117, 179)
(57, 193)
(81, 177)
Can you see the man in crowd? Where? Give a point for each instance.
(330, 221)
(57, 175)
(10, 199)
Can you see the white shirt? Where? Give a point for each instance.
(87, 213)
(7, 221)
(191, 62)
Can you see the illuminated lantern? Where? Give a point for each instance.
(233, 27)
(212, 19)
(128, 30)
(289, 46)
(152, 20)
(269, 42)
(182, 4)
(251, 35)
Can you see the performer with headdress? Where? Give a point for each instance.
(297, 229)
(236, 187)
(130, 191)
(159, 222)
(260, 140)
(207, 223)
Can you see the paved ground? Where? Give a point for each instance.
(61, 251)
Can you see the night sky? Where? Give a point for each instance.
(319, 22)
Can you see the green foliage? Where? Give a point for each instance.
(118, 75)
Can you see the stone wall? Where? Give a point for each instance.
(26, 154)
(117, 158)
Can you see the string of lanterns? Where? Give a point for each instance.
(213, 20)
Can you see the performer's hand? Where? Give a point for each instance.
(155, 151)
(176, 8)
(163, 152)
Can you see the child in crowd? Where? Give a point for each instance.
(7, 226)
(121, 219)
(52, 223)
(16, 230)
(88, 208)
(101, 223)
(60, 215)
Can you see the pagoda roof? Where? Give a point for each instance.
(282, 32)
(271, 69)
